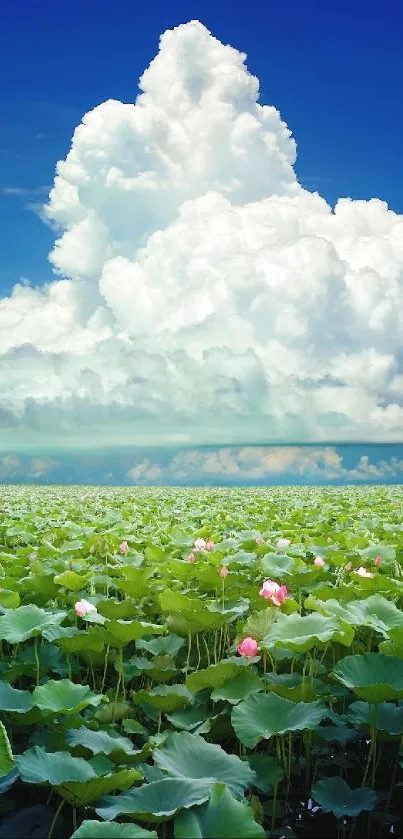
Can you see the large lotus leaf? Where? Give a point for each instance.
(55, 633)
(92, 829)
(165, 698)
(164, 645)
(372, 677)
(189, 719)
(374, 611)
(260, 716)
(186, 755)
(335, 796)
(157, 801)
(216, 675)
(387, 552)
(231, 607)
(6, 755)
(117, 609)
(25, 622)
(113, 712)
(276, 566)
(85, 793)
(292, 686)
(385, 716)
(36, 766)
(303, 633)
(120, 632)
(241, 686)
(98, 742)
(259, 623)
(268, 771)
(12, 700)
(9, 599)
(135, 588)
(64, 697)
(82, 642)
(222, 817)
(7, 781)
(71, 580)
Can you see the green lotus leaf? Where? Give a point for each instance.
(92, 829)
(335, 796)
(385, 716)
(117, 609)
(268, 771)
(260, 716)
(259, 623)
(303, 633)
(12, 700)
(55, 633)
(25, 622)
(374, 611)
(120, 632)
(166, 698)
(292, 686)
(64, 697)
(189, 718)
(85, 793)
(222, 817)
(81, 642)
(113, 712)
(372, 677)
(186, 755)
(335, 733)
(71, 580)
(133, 727)
(98, 742)
(7, 762)
(215, 675)
(36, 766)
(157, 801)
(9, 599)
(163, 645)
(276, 566)
(238, 688)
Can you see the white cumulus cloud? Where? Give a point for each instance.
(203, 294)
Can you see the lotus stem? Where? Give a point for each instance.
(55, 818)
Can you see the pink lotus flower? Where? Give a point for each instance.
(124, 548)
(199, 545)
(378, 561)
(210, 545)
(191, 557)
(319, 562)
(83, 607)
(362, 572)
(259, 540)
(272, 591)
(224, 571)
(248, 647)
(283, 543)
(349, 566)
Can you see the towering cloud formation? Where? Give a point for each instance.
(204, 295)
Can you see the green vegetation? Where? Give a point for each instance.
(201, 663)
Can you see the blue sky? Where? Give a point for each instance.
(180, 289)
(334, 70)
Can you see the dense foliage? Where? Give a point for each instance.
(200, 663)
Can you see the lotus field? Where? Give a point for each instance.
(201, 663)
